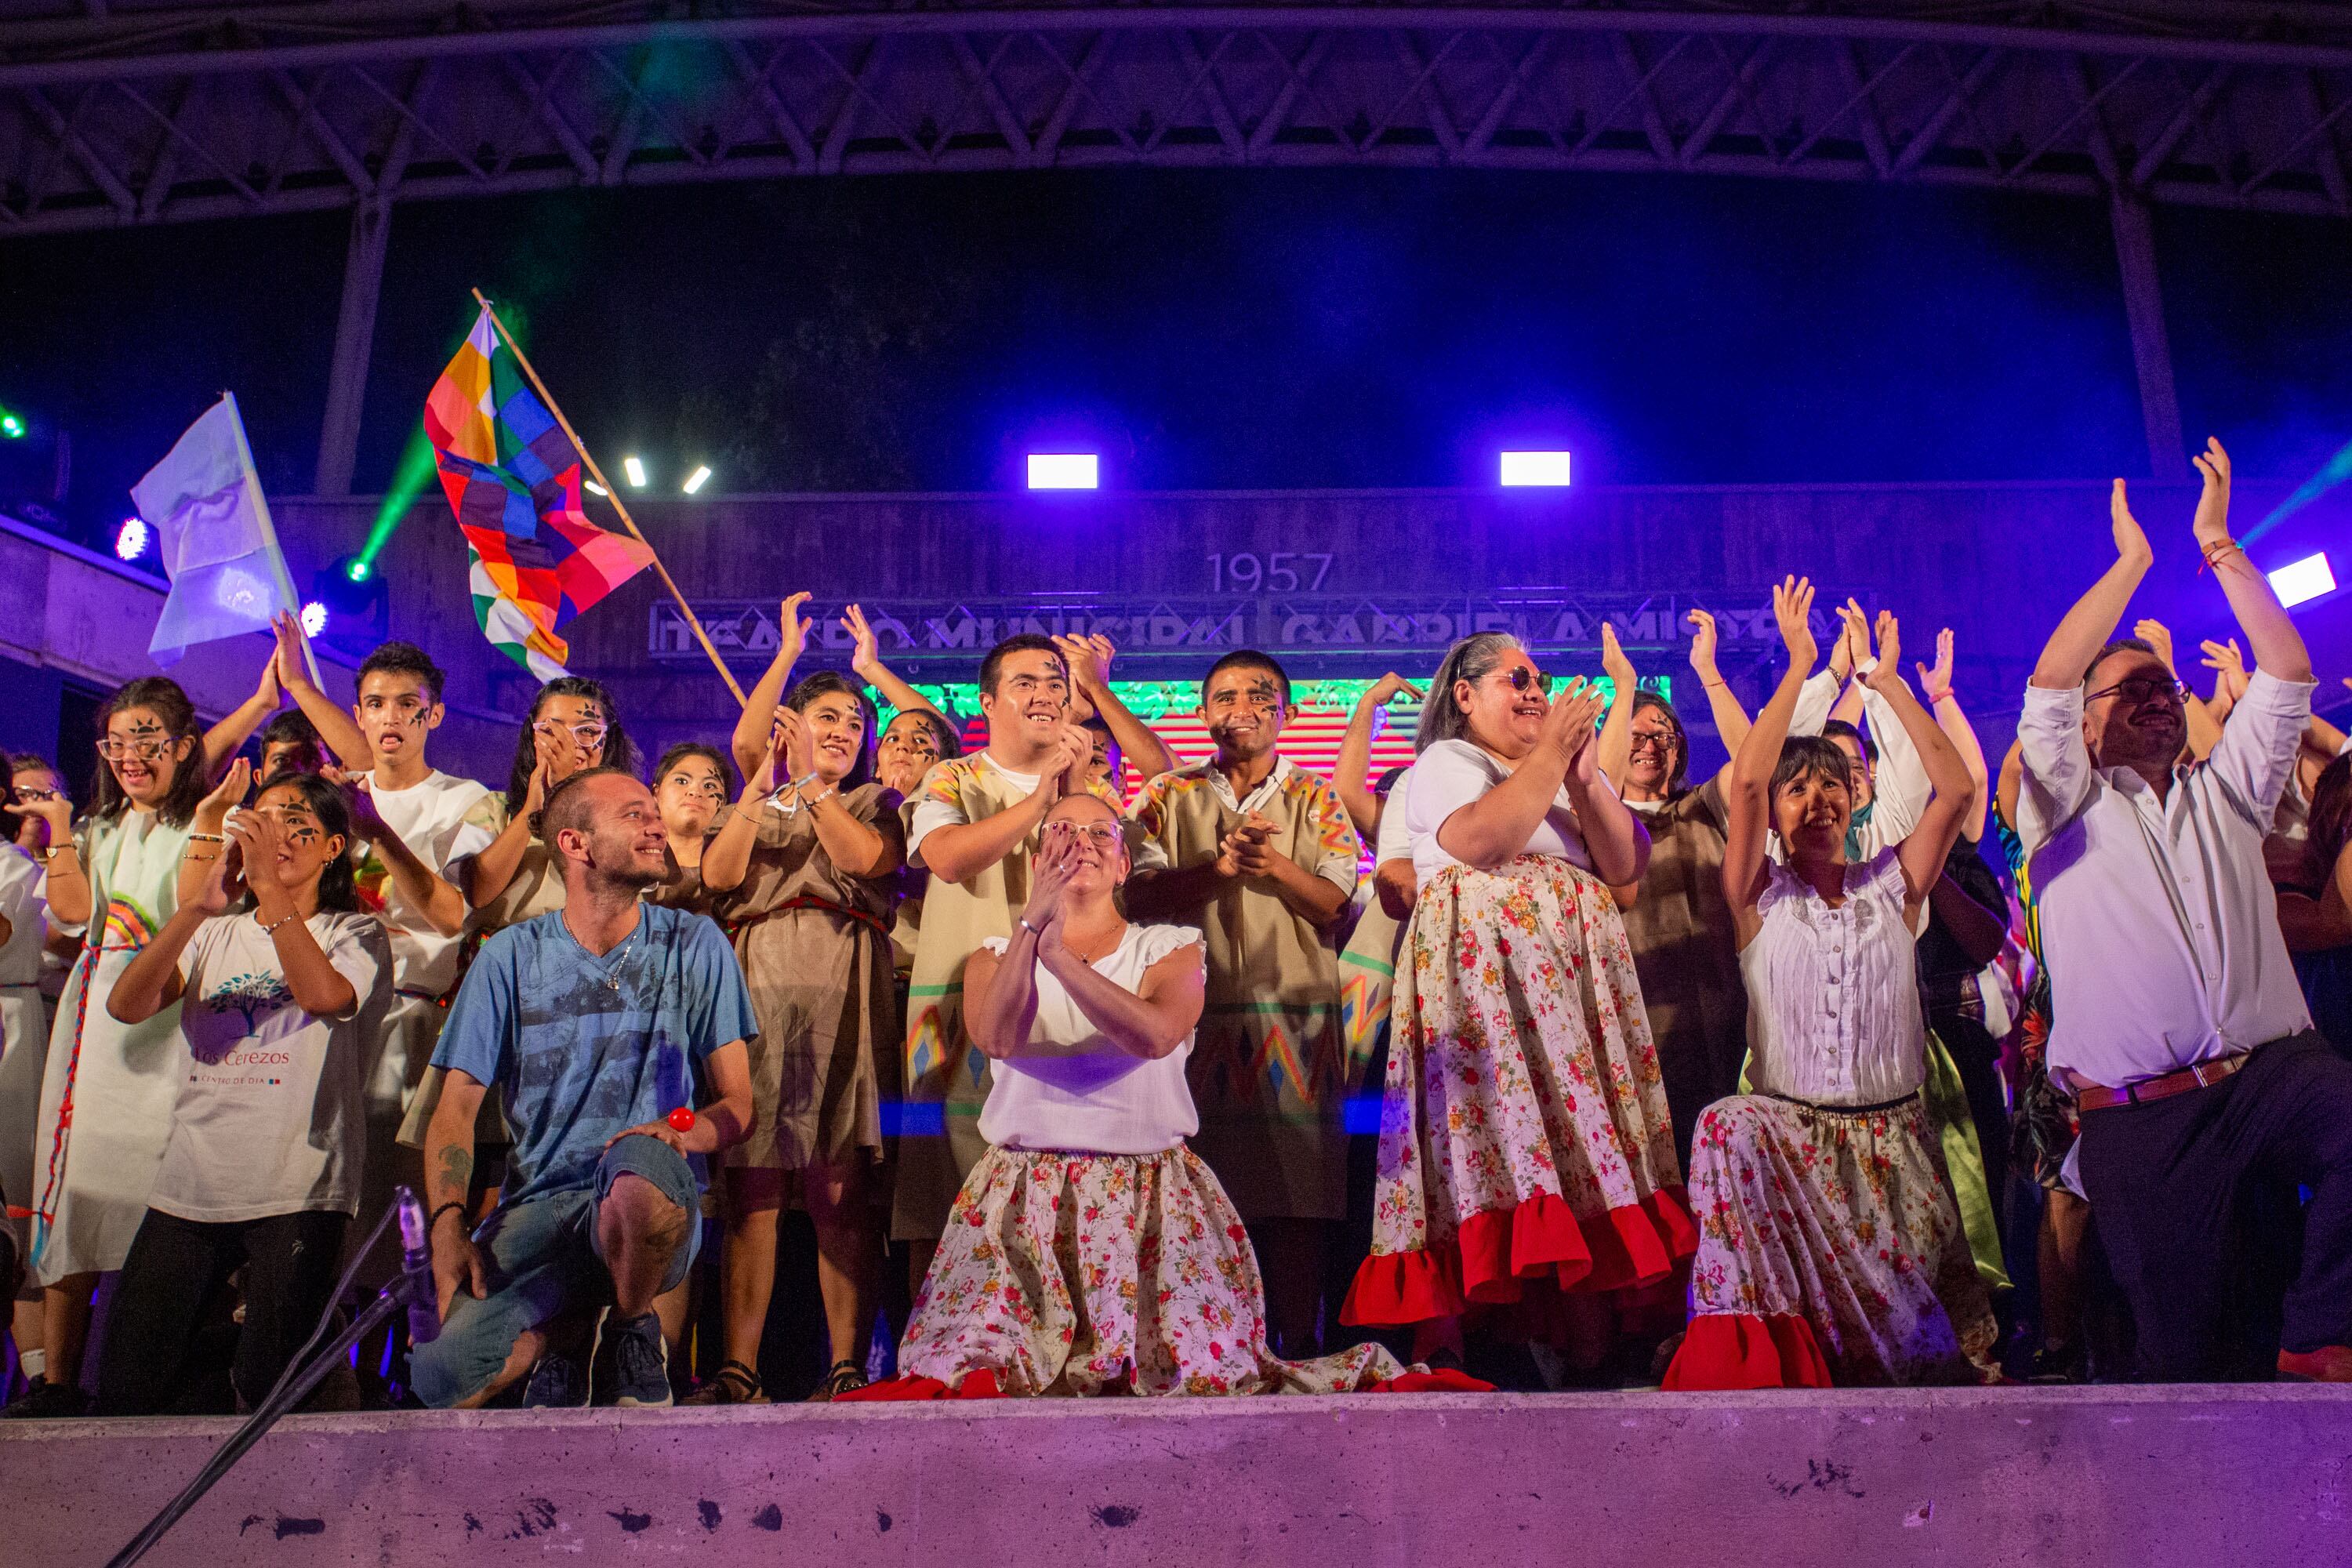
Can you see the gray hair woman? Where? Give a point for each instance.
(1524, 1144)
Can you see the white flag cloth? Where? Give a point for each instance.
(219, 550)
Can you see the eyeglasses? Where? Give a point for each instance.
(1523, 676)
(140, 747)
(2138, 689)
(589, 736)
(40, 796)
(1663, 739)
(1101, 835)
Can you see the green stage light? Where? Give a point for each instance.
(359, 571)
(12, 425)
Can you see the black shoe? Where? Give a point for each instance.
(47, 1401)
(2055, 1364)
(640, 1364)
(558, 1380)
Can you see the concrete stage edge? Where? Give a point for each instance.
(2242, 1477)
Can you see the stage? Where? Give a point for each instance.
(2250, 1477)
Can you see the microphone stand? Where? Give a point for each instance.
(292, 1389)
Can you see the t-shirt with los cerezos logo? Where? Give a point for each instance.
(269, 1119)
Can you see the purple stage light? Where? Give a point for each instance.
(2300, 580)
(314, 618)
(132, 539)
(1063, 471)
(1535, 469)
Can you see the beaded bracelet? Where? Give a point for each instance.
(280, 921)
(207, 838)
(434, 1217)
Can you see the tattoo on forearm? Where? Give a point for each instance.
(456, 1175)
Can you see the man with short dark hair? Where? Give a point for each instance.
(973, 824)
(596, 1023)
(1263, 858)
(2176, 1023)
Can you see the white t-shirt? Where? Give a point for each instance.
(1448, 776)
(23, 907)
(269, 1119)
(430, 818)
(1394, 840)
(1073, 1088)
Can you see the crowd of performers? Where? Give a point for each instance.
(1698, 1083)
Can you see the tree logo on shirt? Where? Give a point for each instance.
(249, 996)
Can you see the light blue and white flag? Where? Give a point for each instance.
(221, 552)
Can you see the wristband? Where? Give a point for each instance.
(273, 925)
(207, 838)
(1936, 697)
(435, 1219)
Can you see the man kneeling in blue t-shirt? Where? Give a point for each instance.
(594, 1022)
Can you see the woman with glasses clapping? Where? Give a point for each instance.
(1525, 1145)
(108, 1087)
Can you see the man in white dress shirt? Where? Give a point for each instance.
(2176, 1020)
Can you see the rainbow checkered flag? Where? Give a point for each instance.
(512, 476)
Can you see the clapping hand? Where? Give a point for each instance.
(792, 629)
(1703, 644)
(2131, 540)
(2228, 665)
(1938, 682)
(1385, 689)
(1613, 662)
(289, 663)
(224, 796)
(762, 781)
(2157, 636)
(799, 745)
(1793, 611)
(865, 655)
(1888, 670)
(1049, 878)
(2211, 525)
(1567, 723)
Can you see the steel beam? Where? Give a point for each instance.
(2159, 403)
(338, 431)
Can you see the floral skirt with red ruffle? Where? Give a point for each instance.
(1523, 1131)
(1075, 1273)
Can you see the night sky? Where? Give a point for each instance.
(1222, 330)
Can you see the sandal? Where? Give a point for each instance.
(845, 1376)
(733, 1383)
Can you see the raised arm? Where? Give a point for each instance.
(1089, 659)
(727, 857)
(960, 851)
(1747, 783)
(1351, 774)
(2271, 635)
(865, 662)
(443, 905)
(490, 872)
(1001, 993)
(1615, 745)
(336, 729)
(1722, 705)
(1495, 827)
(1930, 842)
(204, 829)
(1150, 1022)
(68, 888)
(224, 740)
(319, 988)
(2085, 628)
(750, 742)
(151, 982)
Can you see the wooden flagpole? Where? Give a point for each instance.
(613, 494)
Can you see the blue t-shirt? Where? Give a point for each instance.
(580, 1048)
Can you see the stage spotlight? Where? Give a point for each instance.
(12, 425)
(1535, 469)
(314, 618)
(2299, 581)
(593, 489)
(697, 480)
(130, 540)
(1063, 472)
(358, 570)
(633, 469)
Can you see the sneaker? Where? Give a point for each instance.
(559, 1381)
(2328, 1364)
(2056, 1364)
(47, 1401)
(640, 1363)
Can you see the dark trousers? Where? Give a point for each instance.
(177, 1268)
(2170, 1183)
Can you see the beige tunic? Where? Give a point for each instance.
(813, 943)
(1267, 1069)
(1687, 952)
